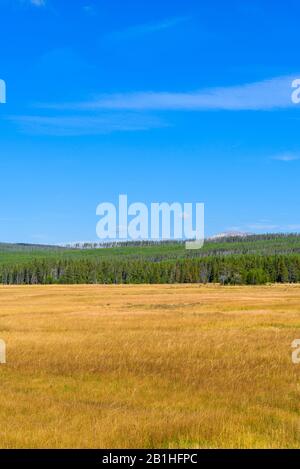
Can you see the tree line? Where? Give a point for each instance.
(249, 269)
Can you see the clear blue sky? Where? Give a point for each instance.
(163, 100)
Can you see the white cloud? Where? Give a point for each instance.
(86, 125)
(286, 157)
(38, 3)
(263, 227)
(142, 29)
(259, 96)
(89, 10)
(266, 226)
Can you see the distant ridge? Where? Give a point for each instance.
(230, 234)
(27, 247)
(228, 237)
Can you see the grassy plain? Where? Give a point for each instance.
(149, 366)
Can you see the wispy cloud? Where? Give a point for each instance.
(286, 157)
(38, 3)
(259, 96)
(265, 226)
(89, 10)
(146, 28)
(85, 125)
(35, 3)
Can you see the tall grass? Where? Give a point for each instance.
(149, 366)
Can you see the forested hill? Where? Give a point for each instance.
(252, 259)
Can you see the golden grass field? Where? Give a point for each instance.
(149, 367)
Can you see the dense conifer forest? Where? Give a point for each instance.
(252, 260)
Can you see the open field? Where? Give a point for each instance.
(149, 366)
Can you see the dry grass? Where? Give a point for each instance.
(149, 366)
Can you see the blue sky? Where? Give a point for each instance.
(162, 100)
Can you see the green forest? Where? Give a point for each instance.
(250, 260)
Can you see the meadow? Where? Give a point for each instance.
(149, 366)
